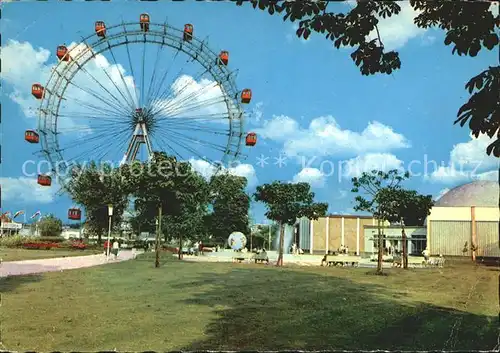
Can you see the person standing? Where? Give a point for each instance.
(426, 255)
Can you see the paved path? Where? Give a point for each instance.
(26, 267)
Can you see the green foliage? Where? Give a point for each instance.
(371, 185)
(230, 205)
(469, 26)
(482, 111)
(95, 187)
(50, 239)
(388, 201)
(407, 205)
(181, 191)
(286, 202)
(50, 226)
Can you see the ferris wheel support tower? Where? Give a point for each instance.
(140, 137)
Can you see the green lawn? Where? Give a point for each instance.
(132, 306)
(13, 254)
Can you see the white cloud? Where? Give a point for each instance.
(366, 163)
(243, 170)
(202, 100)
(397, 30)
(468, 161)
(26, 65)
(25, 190)
(313, 176)
(324, 136)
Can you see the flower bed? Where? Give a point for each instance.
(39, 246)
(79, 245)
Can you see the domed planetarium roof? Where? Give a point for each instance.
(478, 193)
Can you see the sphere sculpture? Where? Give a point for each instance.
(237, 241)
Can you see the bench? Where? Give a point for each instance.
(341, 260)
(413, 261)
(261, 258)
(239, 259)
(434, 261)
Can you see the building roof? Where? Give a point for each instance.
(350, 216)
(478, 193)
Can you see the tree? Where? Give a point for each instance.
(469, 26)
(171, 188)
(378, 187)
(230, 206)
(407, 207)
(50, 226)
(285, 203)
(95, 187)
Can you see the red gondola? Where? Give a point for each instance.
(188, 32)
(100, 29)
(246, 96)
(31, 136)
(62, 53)
(251, 139)
(75, 214)
(223, 57)
(144, 21)
(44, 180)
(37, 90)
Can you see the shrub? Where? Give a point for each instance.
(50, 239)
(15, 241)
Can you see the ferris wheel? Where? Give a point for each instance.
(94, 108)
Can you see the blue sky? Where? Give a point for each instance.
(310, 103)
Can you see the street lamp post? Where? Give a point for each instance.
(110, 214)
(269, 237)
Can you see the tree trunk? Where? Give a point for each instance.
(158, 232)
(380, 247)
(180, 247)
(281, 244)
(405, 247)
(99, 238)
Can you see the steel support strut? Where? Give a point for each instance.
(139, 137)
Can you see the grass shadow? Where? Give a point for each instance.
(282, 309)
(11, 283)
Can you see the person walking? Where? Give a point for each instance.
(106, 245)
(116, 248)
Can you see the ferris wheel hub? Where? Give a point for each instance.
(143, 116)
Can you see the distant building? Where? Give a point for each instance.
(468, 214)
(328, 233)
(8, 226)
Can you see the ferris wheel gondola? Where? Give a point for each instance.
(124, 114)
